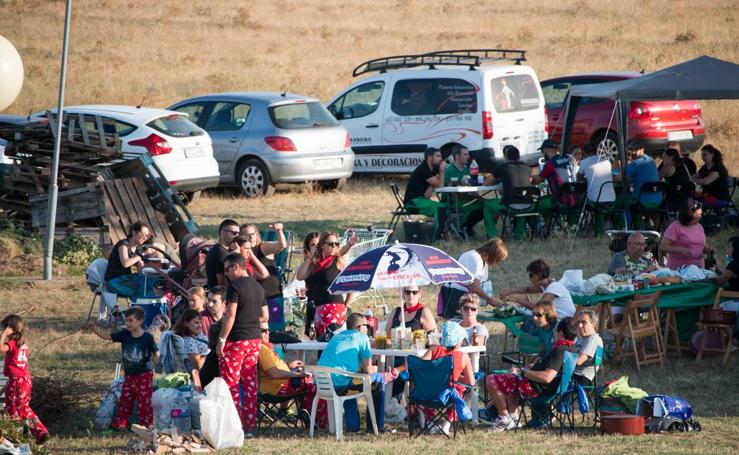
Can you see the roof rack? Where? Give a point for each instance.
(457, 57)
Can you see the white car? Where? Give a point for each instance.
(483, 99)
(182, 150)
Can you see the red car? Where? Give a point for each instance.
(654, 123)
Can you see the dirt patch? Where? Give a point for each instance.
(27, 265)
(9, 249)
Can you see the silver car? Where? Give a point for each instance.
(262, 138)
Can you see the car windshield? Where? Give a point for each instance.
(175, 125)
(301, 115)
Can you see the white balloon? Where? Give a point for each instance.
(11, 73)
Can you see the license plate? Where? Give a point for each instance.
(194, 152)
(327, 163)
(679, 135)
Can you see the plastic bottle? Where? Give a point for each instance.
(181, 413)
(710, 262)
(474, 168)
(312, 331)
(474, 336)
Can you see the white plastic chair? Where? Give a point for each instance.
(325, 391)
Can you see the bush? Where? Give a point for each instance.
(76, 250)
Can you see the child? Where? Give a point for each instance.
(196, 301)
(214, 308)
(140, 353)
(18, 389)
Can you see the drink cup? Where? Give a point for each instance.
(454, 181)
(380, 341)
(480, 180)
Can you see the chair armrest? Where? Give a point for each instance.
(366, 380)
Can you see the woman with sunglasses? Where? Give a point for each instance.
(477, 334)
(417, 317)
(319, 270)
(684, 240)
(545, 319)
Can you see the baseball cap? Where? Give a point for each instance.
(548, 144)
(635, 144)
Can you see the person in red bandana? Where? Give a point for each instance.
(320, 268)
(15, 368)
(416, 315)
(536, 379)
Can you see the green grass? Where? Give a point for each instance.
(63, 305)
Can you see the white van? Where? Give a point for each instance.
(483, 99)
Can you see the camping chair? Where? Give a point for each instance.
(273, 409)
(431, 386)
(523, 203)
(612, 210)
(557, 404)
(640, 322)
(591, 391)
(529, 346)
(325, 391)
(724, 331)
(620, 237)
(645, 211)
(676, 194)
(401, 211)
(723, 206)
(573, 192)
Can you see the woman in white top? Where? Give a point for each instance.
(477, 334)
(541, 282)
(478, 262)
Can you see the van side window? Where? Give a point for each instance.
(515, 93)
(358, 102)
(434, 97)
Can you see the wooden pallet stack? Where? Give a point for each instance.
(100, 193)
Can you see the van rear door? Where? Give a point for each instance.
(518, 114)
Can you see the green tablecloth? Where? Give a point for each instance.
(685, 298)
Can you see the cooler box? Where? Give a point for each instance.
(419, 232)
(152, 307)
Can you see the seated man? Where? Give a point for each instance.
(349, 350)
(514, 173)
(470, 210)
(283, 379)
(556, 172)
(633, 260)
(597, 173)
(427, 176)
(641, 169)
(537, 379)
(588, 341)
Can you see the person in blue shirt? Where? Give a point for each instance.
(350, 351)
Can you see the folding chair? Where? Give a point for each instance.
(557, 404)
(273, 409)
(643, 211)
(431, 386)
(676, 194)
(573, 193)
(724, 331)
(620, 237)
(608, 210)
(640, 323)
(401, 211)
(523, 203)
(723, 206)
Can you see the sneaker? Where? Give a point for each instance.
(443, 428)
(248, 435)
(502, 424)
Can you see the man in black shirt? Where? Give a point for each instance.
(427, 176)
(240, 337)
(537, 380)
(512, 174)
(227, 232)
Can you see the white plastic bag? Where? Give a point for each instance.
(106, 410)
(219, 419)
(162, 402)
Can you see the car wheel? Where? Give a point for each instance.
(330, 185)
(253, 179)
(188, 197)
(607, 145)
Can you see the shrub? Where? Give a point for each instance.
(76, 250)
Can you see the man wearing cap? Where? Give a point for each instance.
(427, 176)
(641, 169)
(556, 173)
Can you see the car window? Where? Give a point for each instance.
(175, 125)
(434, 97)
(111, 126)
(194, 111)
(300, 115)
(227, 116)
(358, 102)
(555, 94)
(515, 93)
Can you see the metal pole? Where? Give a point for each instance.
(54, 188)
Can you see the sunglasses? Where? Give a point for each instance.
(331, 243)
(696, 206)
(264, 330)
(232, 232)
(538, 315)
(469, 308)
(531, 275)
(411, 292)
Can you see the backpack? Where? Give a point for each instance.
(662, 424)
(665, 406)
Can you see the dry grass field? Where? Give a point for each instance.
(120, 49)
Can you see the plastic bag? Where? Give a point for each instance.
(162, 402)
(219, 419)
(106, 410)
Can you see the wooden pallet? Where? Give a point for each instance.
(126, 202)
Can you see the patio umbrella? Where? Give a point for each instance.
(398, 265)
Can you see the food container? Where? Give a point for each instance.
(713, 316)
(622, 424)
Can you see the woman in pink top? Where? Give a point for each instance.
(684, 240)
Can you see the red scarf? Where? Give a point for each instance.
(563, 343)
(323, 264)
(416, 307)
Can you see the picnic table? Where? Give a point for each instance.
(680, 302)
(473, 351)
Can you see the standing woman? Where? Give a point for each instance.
(478, 262)
(684, 240)
(713, 177)
(310, 242)
(265, 252)
(124, 256)
(319, 270)
(254, 268)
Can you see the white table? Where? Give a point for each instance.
(473, 351)
(455, 209)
